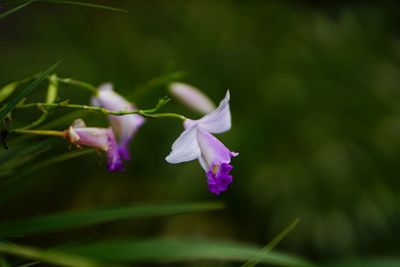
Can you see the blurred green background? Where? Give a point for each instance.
(315, 91)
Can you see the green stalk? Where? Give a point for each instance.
(52, 91)
(144, 113)
(81, 84)
(39, 132)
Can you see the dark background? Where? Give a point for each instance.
(315, 89)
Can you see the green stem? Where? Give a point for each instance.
(144, 113)
(37, 122)
(39, 132)
(81, 84)
(52, 91)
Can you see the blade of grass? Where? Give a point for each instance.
(27, 91)
(374, 262)
(65, 220)
(13, 10)
(29, 264)
(173, 250)
(84, 4)
(68, 2)
(271, 245)
(159, 81)
(3, 262)
(16, 184)
(61, 259)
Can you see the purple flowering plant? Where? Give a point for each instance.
(197, 141)
(124, 119)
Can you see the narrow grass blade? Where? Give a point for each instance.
(271, 245)
(30, 264)
(16, 184)
(383, 262)
(68, 2)
(84, 4)
(56, 258)
(13, 10)
(66, 220)
(159, 81)
(27, 91)
(172, 250)
(3, 262)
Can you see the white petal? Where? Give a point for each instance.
(78, 123)
(213, 151)
(90, 136)
(124, 126)
(192, 97)
(219, 120)
(106, 87)
(185, 148)
(109, 99)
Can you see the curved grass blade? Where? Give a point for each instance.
(56, 258)
(16, 185)
(27, 91)
(3, 262)
(156, 82)
(84, 4)
(383, 262)
(271, 245)
(30, 264)
(172, 250)
(69, 2)
(13, 10)
(61, 221)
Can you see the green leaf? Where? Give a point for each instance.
(84, 4)
(29, 264)
(68, 2)
(7, 90)
(172, 250)
(15, 9)
(66, 220)
(274, 242)
(16, 184)
(56, 258)
(159, 81)
(388, 262)
(3, 262)
(13, 163)
(27, 91)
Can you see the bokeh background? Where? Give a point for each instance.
(315, 91)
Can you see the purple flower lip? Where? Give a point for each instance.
(124, 127)
(197, 142)
(218, 178)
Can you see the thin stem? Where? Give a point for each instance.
(81, 84)
(38, 132)
(52, 91)
(37, 122)
(144, 113)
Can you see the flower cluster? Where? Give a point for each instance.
(114, 140)
(197, 141)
